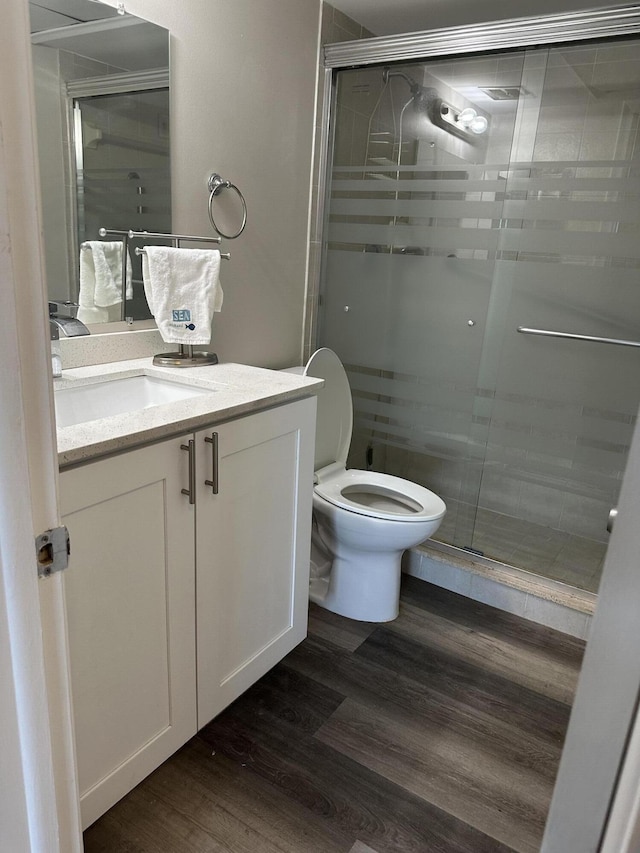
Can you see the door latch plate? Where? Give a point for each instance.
(52, 551)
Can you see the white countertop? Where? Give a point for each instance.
(236, 390)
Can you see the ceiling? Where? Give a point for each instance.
(381, 17)
(389, 17)
(127, 43)
(51, 14)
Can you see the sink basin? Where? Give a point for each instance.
(117, 397)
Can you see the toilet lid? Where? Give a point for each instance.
(335, 410)
(381, 496)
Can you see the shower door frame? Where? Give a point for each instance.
(589, 789)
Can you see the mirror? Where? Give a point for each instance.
(102, 113)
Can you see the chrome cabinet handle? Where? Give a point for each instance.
(191, 449)
(613, 514)
(213, 482)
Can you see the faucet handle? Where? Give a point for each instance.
(66, 308)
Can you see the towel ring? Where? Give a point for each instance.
(216, 184)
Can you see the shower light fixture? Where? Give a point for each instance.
(465, 123)
(468, 119)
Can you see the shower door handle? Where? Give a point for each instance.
(549, 333)
(613, 514)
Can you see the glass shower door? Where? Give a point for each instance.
(563, 411)
(412, 235)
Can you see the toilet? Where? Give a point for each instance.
(362, 521)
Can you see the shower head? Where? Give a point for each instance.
(387, 73)
(423, 96)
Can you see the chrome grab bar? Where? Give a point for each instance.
(547, 333)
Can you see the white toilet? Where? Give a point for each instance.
(362, 521)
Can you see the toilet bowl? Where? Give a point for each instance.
(363, 521)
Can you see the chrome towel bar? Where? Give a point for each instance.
(155, 235)
(548, 333)
(224, 255)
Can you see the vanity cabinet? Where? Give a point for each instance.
(129, 593)
(178, 602)
(252, 548)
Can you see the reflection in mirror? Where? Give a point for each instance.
(102, 110)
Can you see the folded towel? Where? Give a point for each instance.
(101, 274)
(183, 290)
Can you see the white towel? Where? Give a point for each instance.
(183, 290)
(112, 314)
(101, 274)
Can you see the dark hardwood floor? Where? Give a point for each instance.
(439, 732)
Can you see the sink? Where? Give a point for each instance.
(117, 397)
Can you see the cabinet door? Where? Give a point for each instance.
(252, 549)
(129, 593)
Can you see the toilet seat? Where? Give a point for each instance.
(334, 422)
(380, 496)
(367, 493)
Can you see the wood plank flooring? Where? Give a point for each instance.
(439, 732)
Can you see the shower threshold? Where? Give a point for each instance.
(543, 600)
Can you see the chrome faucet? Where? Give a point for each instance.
(69, 326)
(56, 357)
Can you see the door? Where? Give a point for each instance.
(38, 806)
(562, 409)
(252, 552)
(130, 592)
(605, 708)
(411, 238)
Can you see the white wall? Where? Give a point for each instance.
(243, 104)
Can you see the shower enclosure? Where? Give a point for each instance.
(477, 203)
